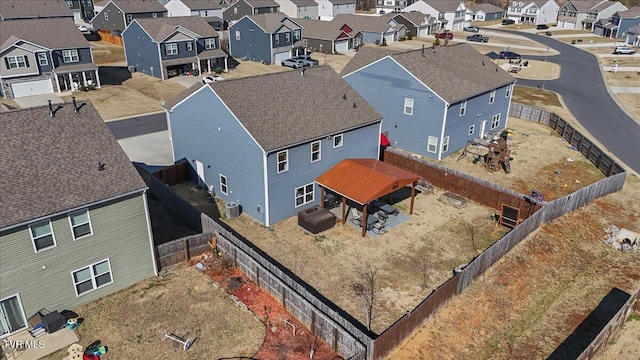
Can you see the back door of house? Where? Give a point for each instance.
(12, 316)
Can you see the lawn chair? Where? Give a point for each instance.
(380, 226)
(356, 217)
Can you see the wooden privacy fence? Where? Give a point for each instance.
(106, 36)
(601, 341)
(592, 152)
(174, 174)
(181, 250)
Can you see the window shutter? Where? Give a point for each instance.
(26, 61)
(6, 62)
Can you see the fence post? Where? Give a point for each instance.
(185, 243)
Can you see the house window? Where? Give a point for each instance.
(445, 144)
(432, 145)
(70, 3)
(472, 129)
(224, 188)
(80, 224)
(92, 277)
(154, 15)
(287, 37)
(463, 108)
(189, 46)
(209, 44)
(42, 59)
(304, 194)
(338, 140)
(165, 14)
(237, 34)
(495, 121)
(16, 62)
(171, 49)
(276, 38)
(130, 17)
(42, 235)
(408, 106)
(296, 35)
(283, 161)
(315, 151)
(492, 96)
(235, 10)
(106, 16)
(508, 92)
(69, 56)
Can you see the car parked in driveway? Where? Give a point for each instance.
(307, 60)
(211, 78)
(478, 38)
(445, 35)
(624, 50)
(293, 63)
(471, 29)
(509, 55)
(508, 22)
(542, 27)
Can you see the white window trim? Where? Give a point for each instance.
(287, 37)
(106, 16)
(209, 44)
(472, 130)
(224, 186)
(43, 56)
(93, 277)
(237, 34)
(285, 161)
(463, 108)
(17, 62)
(304, 194)
(408, 104)
(72, 226)
(276, 39)
(434, 144)
(33, 240)
(508, 92)
(495, 120)
(171, 46)
(339, 136)
(24, 316)
(73, 56)
(492, 96)
(319, 151)
(445, 144)
(189, 46)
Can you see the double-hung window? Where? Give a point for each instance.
(432, 145)
(492, 96)
(224, 188)
(92, 277)
(408, 106)
(472, 129)
(69, 56)
(189, 46)
(276, 39)
(509, 89)
(495, 121)
(283, 161)
(445, 144)
(42, 235)
(463, 108)
(209, 44)
(42, 59)
(171, 49)
(338, 140)
(304, 194)
(287, 37)
(315, 151)
(80, 224)
(16, 62)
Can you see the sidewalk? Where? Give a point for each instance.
(625, 89)
(622, 68)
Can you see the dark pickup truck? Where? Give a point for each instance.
(478, 38)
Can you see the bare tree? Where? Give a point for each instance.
(365, 288)
(425, 271)
(472, 231)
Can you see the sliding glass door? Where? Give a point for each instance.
(11, 315)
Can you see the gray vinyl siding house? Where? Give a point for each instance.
(117, 14)
(21, 9)
(256, 149)
(267, 38)
(240, 8)
(420, 97)
(70, 230)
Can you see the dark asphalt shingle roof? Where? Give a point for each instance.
(285, 108)
(160, 28)
(204, 4)
(271, 22)
(454, 72)
(634, 30)
(50, 165)
(262, 3)
(39, 31)
(378, 24)
(413, 17)
(139, 6)
(317, 29)
(633, 12)
(487, 8)
(14, 9)
(304, 2)
(342, 2)
(443, 5)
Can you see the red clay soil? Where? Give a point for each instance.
(280, 343)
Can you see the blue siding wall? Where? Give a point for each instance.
(45, 68)
(385, 85)
(203, 129)
(200, 44)
(625, 25)
(358, 143)
(253, 43)
(183, 51)
(370, 37)
(84, 56)
(140, 51)
(478, 109)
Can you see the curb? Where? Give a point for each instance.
(134, 115)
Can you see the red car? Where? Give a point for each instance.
(445, 35)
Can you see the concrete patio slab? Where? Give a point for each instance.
(30, 348)
(37, 100)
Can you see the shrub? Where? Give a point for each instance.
(401, 39)
(384, 42)
(437, 42)
(218, 70)
(409, 36)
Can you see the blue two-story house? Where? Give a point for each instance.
(167, 47)
(262, 141)
(433, 100)
(267, 38)
(115, 15)
(34, 63)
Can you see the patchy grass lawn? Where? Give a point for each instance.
(132, 322)
(534, 96)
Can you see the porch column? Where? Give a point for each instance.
(226, 68)
(413, 195)
(58, 82)
(97, 80)
(209, 65)
(71, 81)
(322, 197)
(364, 220)
(84, 78)
(199, 67)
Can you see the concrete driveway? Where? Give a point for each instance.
(186, 81)
(37, 100)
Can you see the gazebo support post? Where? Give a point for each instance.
(344, 210)
(413, 195)
(364, 220)
(322, 197)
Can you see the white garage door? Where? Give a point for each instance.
(569, 25)
(279, 57)
(31, 88)
(389, 37)
(422, 32)
(342, 46)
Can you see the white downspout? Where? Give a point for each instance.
(146, 213)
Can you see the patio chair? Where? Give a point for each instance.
(380, 226)
(356, 217)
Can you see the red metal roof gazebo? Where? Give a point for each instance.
(363, 181)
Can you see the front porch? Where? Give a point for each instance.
(74, 77)
(23, 346)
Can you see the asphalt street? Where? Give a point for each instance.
(584, 92)
(138, 125)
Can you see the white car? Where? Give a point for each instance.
(624, 50)
(211, 78)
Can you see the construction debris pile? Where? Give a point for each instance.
(622, 239)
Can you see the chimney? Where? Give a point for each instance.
(51, 113)
(76, 109)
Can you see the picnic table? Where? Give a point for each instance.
(388, 209)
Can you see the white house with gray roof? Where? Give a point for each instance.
(534, 12)
(486, 12)
(328, 9)
(74, 221)
(203, 8)
(450, 14)
(299, 9)
(262, 141)
(582, 14)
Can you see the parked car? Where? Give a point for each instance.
(307, 60)
(471, 29)
(445, 35)
(478, 38)
(509, 55)
(623, 50)
(293, 63)
(542, 27)
(211, 78)
(508, 22)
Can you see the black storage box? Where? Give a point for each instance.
(53, 321)
(316, 219)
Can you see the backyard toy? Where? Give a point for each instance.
(186, 344)
(509, 217)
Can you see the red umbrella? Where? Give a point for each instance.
(384, 141)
